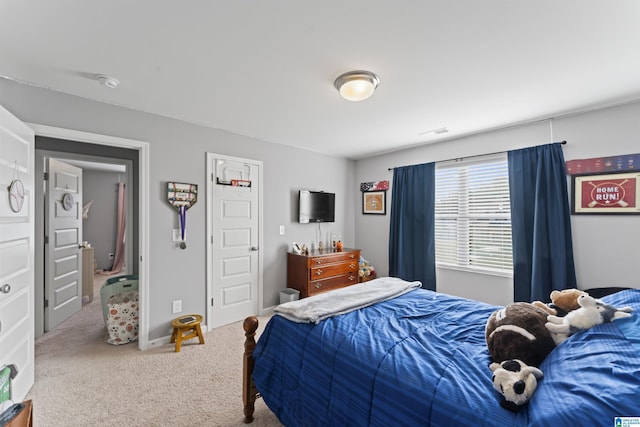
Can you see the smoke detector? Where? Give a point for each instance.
(108, 81)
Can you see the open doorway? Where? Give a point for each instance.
(104, 170)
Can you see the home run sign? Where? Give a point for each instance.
(616, 193)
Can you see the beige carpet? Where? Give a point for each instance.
(80, 380)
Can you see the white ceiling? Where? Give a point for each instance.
(265, 69)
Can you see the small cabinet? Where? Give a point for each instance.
(317, 271)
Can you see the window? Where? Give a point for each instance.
(473, 216)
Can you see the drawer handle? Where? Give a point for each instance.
(352, 256)
(5, 289)
(319, 272)
(318, 285)
(352, 266)
(351, 278)
(318, 261)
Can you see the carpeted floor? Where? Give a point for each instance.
(80, 380)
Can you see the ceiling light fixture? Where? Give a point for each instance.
(108, 81)
(356, 85)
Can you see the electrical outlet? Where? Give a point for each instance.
(177, 306)
(176, 235)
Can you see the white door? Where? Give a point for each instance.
(234, 218)
(63, 236)
(16, 251)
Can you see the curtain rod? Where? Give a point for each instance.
(478, 155)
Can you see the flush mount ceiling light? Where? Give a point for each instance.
(356, 85)
(108, 81)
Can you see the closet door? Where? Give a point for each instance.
(16, 252)
(63, 237)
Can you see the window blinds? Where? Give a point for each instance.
(473, 215)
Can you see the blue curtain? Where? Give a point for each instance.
(411, 234)
(541, 223)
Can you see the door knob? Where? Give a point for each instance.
(254, 248)
(5, 289)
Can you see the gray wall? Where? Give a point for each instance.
(100, 227)
(606, 248)
(178, 153)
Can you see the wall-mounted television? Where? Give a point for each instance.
(316, 206)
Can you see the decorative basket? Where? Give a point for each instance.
(114, 286)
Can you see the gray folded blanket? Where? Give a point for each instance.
(344, 300)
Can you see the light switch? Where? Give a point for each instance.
(282, 230)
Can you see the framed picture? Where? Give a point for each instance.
(606, 194)
(374, 202)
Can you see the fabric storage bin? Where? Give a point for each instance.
(122, 318)
(114, 286)
(289, 294)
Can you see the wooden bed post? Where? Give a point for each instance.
(249, 390)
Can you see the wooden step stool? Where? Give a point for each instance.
(189, 324)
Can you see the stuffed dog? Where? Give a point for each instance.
(562, 302)
(515, 381)
(592, 312)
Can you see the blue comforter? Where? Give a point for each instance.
(421, 360)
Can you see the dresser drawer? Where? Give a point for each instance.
(330, 270)
(315, 272)
(335, 257)
(318, 286)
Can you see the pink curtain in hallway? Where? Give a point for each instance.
(118, 259)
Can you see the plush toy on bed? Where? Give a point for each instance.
(518, 341)
(562, 302)
(515, 381)
(592, 312)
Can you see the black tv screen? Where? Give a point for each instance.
(316, 206)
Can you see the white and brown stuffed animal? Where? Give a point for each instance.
(518, 341)
(518, 332)
(562, 302)
(592, 312)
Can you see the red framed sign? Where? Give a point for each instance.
(606, 194)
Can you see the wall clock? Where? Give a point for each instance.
(67, 201)
(16, 195)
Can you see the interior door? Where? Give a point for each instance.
(63, 236)
(235, 239)
(16, 251)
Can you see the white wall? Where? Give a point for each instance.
(178, 153)
(606, 248)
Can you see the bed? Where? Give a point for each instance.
(420, 359)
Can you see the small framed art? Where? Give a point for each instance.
(606, 194)
(374, 202)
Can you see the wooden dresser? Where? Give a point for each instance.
(317, 272)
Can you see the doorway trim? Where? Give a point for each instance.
(40, 156)
(143, 204)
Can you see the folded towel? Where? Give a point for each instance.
(340, 301)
